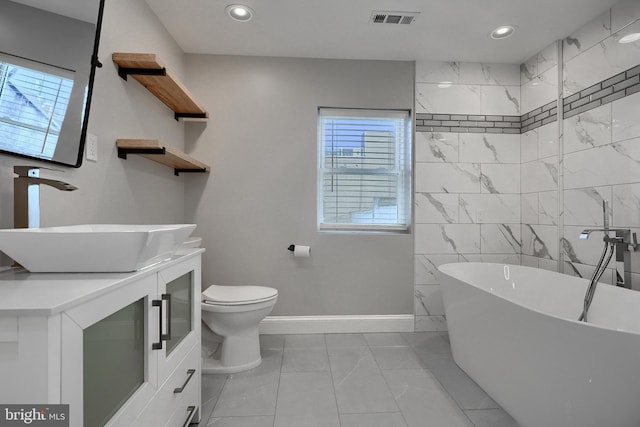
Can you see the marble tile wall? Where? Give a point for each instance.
(467, 182)
(594, 52)
(467, 88)
(540, 161)
(495, 197)
(601, 154)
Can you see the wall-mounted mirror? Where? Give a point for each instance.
(48, 56)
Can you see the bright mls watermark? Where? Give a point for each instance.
(34, 415)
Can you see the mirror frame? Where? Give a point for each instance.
(95, 63)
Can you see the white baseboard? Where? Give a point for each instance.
(337, 324)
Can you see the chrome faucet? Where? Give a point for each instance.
(26, 195)
(625, 242)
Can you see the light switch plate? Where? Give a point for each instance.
(92, 147)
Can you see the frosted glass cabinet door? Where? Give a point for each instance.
(113, 362)
(179, 288)
(180, 314)
(108, 370)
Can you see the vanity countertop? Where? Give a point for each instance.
(38, 294)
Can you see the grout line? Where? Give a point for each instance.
(386, 383)
(333, 385)
(560, 187)
(226, 380)
(275, 409)
(424, 368)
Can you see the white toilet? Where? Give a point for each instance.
(233, 313)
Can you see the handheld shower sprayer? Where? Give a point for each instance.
(623, 243)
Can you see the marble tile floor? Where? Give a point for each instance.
(351, 380)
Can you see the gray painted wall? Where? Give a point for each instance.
(261, 143)
(114, 190)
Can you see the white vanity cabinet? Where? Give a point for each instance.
(120, 348)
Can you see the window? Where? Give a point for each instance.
(33, 103)
(364, 178)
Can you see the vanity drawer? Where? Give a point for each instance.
(183, 416)
(181, 390)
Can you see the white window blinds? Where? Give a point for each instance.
(365, 169)
(33, 103)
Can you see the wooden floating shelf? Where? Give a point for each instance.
(152, 74)
(153, 150)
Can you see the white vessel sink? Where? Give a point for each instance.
(93, 247)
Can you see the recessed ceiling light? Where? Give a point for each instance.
(444, 85)
(630, 38)
(502, 32)
(239, 12)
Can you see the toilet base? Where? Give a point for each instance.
(236, 353)
(213, 366)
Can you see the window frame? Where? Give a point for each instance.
(403, 170)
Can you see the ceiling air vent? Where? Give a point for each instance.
(387, 17)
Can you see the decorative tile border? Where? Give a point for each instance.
(467, 123)
(623, 84)
(546, 114)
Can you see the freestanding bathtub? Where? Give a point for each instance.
(513, 329)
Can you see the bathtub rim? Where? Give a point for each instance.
(575, 282)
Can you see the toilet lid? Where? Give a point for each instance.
(236, 295)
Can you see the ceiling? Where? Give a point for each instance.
(445, 30)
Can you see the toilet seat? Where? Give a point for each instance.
(237, 295)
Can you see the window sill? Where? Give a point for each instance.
(364, 228)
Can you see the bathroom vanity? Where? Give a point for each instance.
(119, 348)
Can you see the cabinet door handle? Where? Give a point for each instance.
(190, 373)
(190, 411)
(158, 345)
(167, 336)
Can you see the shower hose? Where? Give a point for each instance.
(591, 290)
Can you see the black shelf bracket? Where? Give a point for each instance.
(123, 72)
(177, 116)
(176, 172)
(122, 152)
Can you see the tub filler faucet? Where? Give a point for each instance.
(623, 243)
(26, 195)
